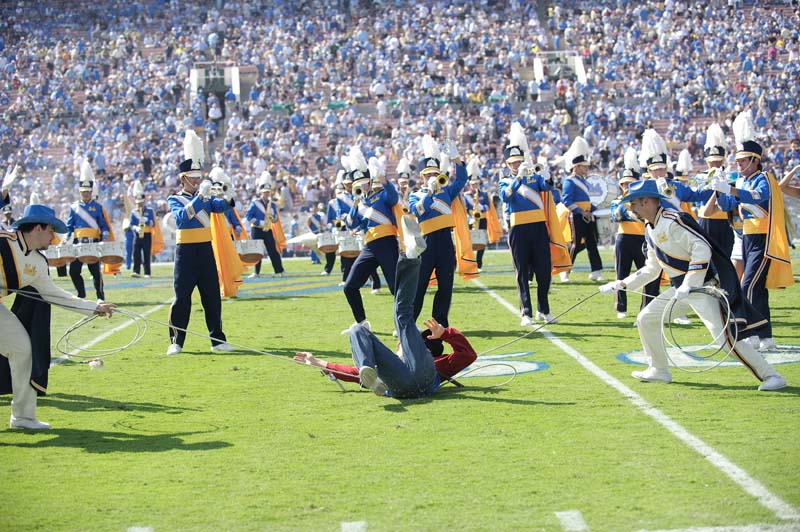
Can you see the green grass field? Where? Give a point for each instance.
(252, 441)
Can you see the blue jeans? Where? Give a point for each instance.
(414, 375)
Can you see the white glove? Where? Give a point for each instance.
(721, 185)
(9, 179)
(134, 228)
(204, 190)
(433, 183)
(228, 194)
(544, 172)
(524, 170)
(613, 286)
(682, 292)
(452, 151)
(661, 183)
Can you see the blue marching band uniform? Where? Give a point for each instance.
(480, 207)
(576, 198)
(261, 212)
(317, 223)
(195, 265)
(432, 208)
(344, 202)
(142, 222)
(528, 237)
(87, 223)
(373, 215)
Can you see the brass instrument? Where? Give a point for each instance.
(142, 223)
(442, 180)
(406, 208)
(339, 224)
(358, 191)
(476, 213)
(668, 189)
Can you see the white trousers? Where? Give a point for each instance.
(713, 316)
(16, 347)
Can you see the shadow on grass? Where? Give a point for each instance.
(83, 403)
(789, 390)
(470, 393)
(104, 442)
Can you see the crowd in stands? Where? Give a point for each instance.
(109, 80)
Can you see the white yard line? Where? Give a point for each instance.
(572, 521)
(775, 504)
(106, 334)
(789, 527)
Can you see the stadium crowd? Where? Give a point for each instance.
(109, 81)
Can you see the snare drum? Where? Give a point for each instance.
(88, 252)
(349, 246)
(479, 238)
(250, 251)
(112, 252)
(326, 242)
(53, 259)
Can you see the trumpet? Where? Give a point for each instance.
(358, 191)
(442, 180)
(339, 224)
(476, 213)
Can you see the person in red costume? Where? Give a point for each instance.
(418, 366)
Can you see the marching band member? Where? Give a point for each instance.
(87, 223)
(483, 215)
(630, 243)
(576, 198)
(676, 244)
(25, 329)
(317, 223)
(716, 226)
(195, 264)
(653, 156)
(433, 208)
(8, 218)
(760, 203)
(263, 213)
(142, 222)
(534, 228)
(371, 213)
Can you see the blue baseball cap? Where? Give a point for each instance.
(647, 188)
(41, 214)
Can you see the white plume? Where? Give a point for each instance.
(357, 160)
(217, 174)
(403, 166)
(652, 145)
(474, 167)
(444, 162)
(376, 168)
(87, 174)
(348, 167)
(743, 127)
(193, 148)
(516, 137)
(714, 136)
(631, 160)
(265, 178)
(138, 189)
(430, 148)
(34, 199)
(684, 164)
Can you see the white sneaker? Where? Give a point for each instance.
(412, 237)
(174, 349)
(278, 274)
(622, 315)
(564, 276)
(652, 374)
(135, 275)
(772, 383)
(526, 321)
(376, 291)
(324, 273)
(253, 275)
(146, 276)
(767, 344)
(596, 276)
(366, 324)
(369, 379)
(224, 347)
(547, 318)
(682, 320)
(341, 284)
(27, 423)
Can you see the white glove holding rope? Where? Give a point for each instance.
(204, 190)
(612, 287)
(682, 292)
(721, 185)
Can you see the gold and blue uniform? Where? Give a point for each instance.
(87, 223)
(584, 234)
(145, 220)
(435, 216)
(261, 225)
(482, 206)
(195, 265)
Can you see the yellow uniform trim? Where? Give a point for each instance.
(147, 229)
(87, 232)
(756, 226)
(720, 215)
(585, 206)
(194, 236)
(431, 225)
(527, 217)
(379, 231)
(631, 228)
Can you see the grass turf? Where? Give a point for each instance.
(251, 441)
